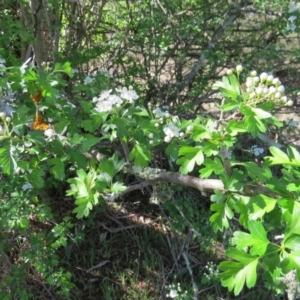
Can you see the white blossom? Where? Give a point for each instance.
(158, 113)
(239, 68)
(104, 95)
(172, 130)
(263, 76)
(281, 89)
(257, 150)
(167, 139)
(104, 106)
(88, 79)
(128, 94)
(293, 124)
(75, 71)
(277, 95)
(26, 186)
(49, 132)
(173, 294)
(276, 81)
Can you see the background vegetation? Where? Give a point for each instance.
(56, 56)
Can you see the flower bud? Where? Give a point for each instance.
(263, 76)
(2, 115)
(276, 81)
(253, 73)
(167, 139)
(290, 103)
(229, 72)
(259, 90)
(249, 82)
(277, 95)
(284, 99)
(272, 90)
(239, 68)
(8, 119)
(281, 89)
(256, 79)
(49, 132)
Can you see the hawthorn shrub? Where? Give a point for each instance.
(83, 146)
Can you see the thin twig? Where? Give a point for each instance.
(195, 287)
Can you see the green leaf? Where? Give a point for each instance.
(294, 221)
(294, 187)
(259, 205)
(254, 125)
(191, 156)
(228, 87)
(292, 241)
(118, 187)
(7, 160)
(77, 139)
(172, 151)
(233, 127)
(255, 172)
(140, 154)
(89, 142)
(279, 157)
(219, 220)
(121, 128)
(57, 169)
(212, 166)
(234, 182)
(36, 178)
(87, 125)
(260, 113)
(65, 68)
(239, 272)
(82, 187)
(257, 239)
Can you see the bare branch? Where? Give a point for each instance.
(233, 15)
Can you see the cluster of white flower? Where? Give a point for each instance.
(26, 186)
(212, 271)
(160, 113)
(292, 284)
(129, 94)
(2, 66)
(171, 131)
(107, 102)
(106, 72)
(164, 117)
(175, 292)
(257, 151)
(265, 86)
(88, 79)
(293, 124)
(291, 25)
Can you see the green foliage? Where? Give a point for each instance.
(44, 159)
(79, 141)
